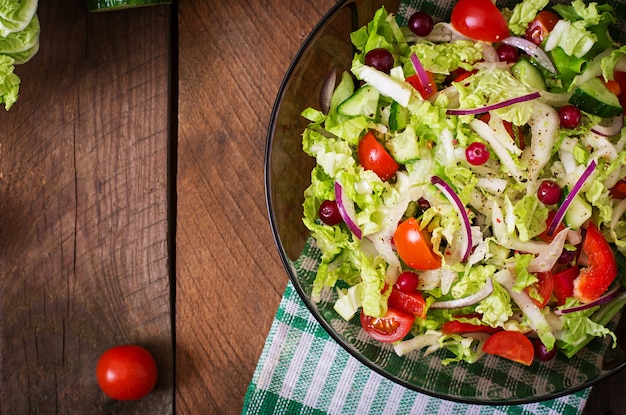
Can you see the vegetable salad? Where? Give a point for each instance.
(469, 189)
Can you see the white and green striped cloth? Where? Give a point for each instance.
(303, 371)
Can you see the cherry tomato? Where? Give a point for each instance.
(511, 345)
(413, 246)
(564, 284)
(410, 303)
(620, 78)
(544, 235)
(373, 156)
(390, 328)
(594, 279)
(126, 372)
(480, 20)
(416, 83)
(541, 25)
(544, 287)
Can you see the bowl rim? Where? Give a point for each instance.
(293, 277)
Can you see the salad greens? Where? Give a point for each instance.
(19, 42)
(511, 240)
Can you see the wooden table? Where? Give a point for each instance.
(132, 206)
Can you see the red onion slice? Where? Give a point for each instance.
(328, 87)
(460, 208)
(611, 294)
(466, 301)
(560, 213)
(346, 210)
(421, 73)
(531, 49)
(487, 108)
(612, 129)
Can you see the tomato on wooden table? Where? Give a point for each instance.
(479, 20)
(595, 278)
(126, 372)
(511, 345)
(373, 156)
(543, 287)
(541, 26)
(392, 327)
(414, 247)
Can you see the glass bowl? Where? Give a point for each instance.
(492, 380)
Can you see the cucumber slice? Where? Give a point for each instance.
(578, 213)
(107, 5)
(528, 74)
(398, 117)
(404, 147)
(363, 102)
(595, 98)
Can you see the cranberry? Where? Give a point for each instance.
(549, 192)
(421, 23)
(329, 213)
(380, 59)
(570, 116)
(477, 154)
(407, 282)
(507, 53)
(541, 352)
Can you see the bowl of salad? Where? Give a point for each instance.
(446, 187)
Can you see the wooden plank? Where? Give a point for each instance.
(83, 210)
(232, 58)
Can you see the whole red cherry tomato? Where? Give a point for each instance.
(480, 20)
(126, 372)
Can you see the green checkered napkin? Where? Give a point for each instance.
(302, 370)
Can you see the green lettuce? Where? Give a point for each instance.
(15, 15)
(9, 82)
(524, 13)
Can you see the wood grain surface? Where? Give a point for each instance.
(83, 210)
(132, 207)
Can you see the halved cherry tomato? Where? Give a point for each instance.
(544, 235)
(511, 345)
(416, 82)
(390, 328)
(544, 287)
(480, 20)
(411, 303)
(564, 284)
(540, 26)
(614, 87)
(458, 327)
(373, 156)
(594, 279)
(414, 247)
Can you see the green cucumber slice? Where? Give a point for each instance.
(363, 102)
(595, 98)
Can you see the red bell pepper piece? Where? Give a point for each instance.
(459, 327)
(601, 269)
(411, 303)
